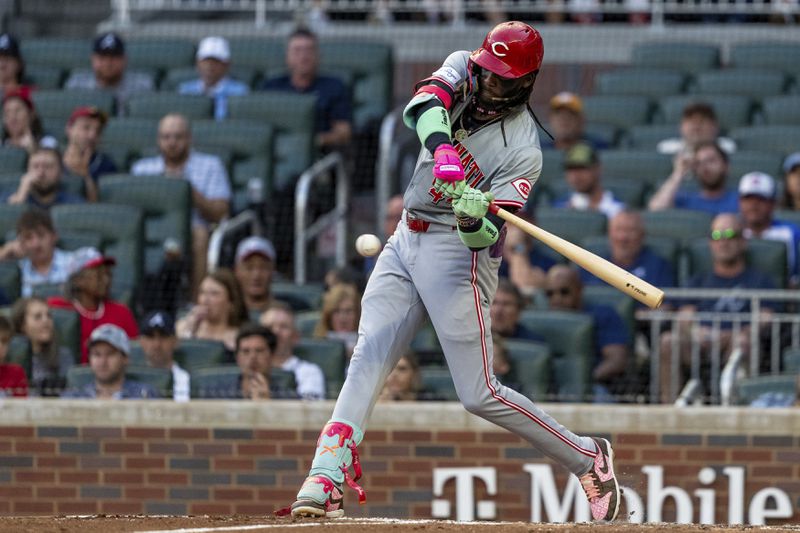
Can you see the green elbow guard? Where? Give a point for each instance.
(434, 120)
(483, 236)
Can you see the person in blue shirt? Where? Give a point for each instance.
(524, 262)
(506, 307)
(334, 108)
(213, 64)
(708, 166)
(564, 292)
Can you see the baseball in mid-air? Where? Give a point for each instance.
(368, 244)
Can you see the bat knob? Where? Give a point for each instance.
(493, 208)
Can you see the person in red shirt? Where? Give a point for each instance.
(13, 381)
(87, 292)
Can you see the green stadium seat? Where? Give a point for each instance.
(159, 54)
(782, 109)
(258, 53)
(222, 382)
(242, 172)
(531, 363)
(732, 110)
(647, 166)
(648, 136)
(606, 133)
(19, 353)
(768, 257)
(680, 224)
(679, 55)
(156, 105)
(125, 139)
(13, 159)
(9, 213)
(782, 138)
(306, 297)
(292, 117)
(160, 378)
(122, 230)
(569, 336)
(622, 111)
(192, 354)
(72, 240)
(640, 81)
(624, 305)
(426, 344)
(571, 224)
(59, 104)
(166, 204)
(330, 356)
(774, 55)
(437, 384)
(755, 83)
(306, 321)
(788, 215)
(245, 138)
(10, 280)
(552, 168)
(743, 161)
(748, 389)
(791, 360)
(44, 77)
(632, 193)
(62, 53)
(67, 324)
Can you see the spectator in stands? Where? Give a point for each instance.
(757, 193)
(506, 307)
(22, 127)
(109, 65)
(87, 292)
(582, 171)
(564, 292)
(341, 311)
(404, 381)
(255, 345)
(729, 270)
(211, 190)
(12, 67)
(81, 158)
(627, 250)
(698, 126)
(502, 366)
(524, 264)
(109, 349)
(40, 261)
(791, 176)
(49, 361)
(219, 311)
(334, 108)
(42, 185)
(213, 65)
(568, 124)
(254, 265)
(13, 382)
(158, 342)
(279, 318)
(394, 212)
(710, 169)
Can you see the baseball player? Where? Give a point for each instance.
(480, 144)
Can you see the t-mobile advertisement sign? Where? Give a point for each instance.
(550, 503)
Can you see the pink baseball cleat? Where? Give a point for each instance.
(600, 484)
(319, 497)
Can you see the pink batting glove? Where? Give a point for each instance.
(447, 165)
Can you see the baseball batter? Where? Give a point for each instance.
(480, 144)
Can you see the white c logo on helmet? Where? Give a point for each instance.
(496, 45)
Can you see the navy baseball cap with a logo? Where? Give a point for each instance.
(9, 46)
(158, 322)
(109, 44)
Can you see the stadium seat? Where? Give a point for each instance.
(58, 105)
(175, 76)
(732, 110)
(159, 378)
(647, 166)
(746, 82)
(192, 354)
(222, 382)
(606, 133)
(306, 321)
(125, 139)
(122, 229)
(61, 53)
(552, 168)
(769, 138)
(622, 111)
(306, 297)
(782, 109)
(156, 105)
(19, 353)
(640, 81)
(166, 205)
(768, 257)
(571, 224)
(67, 324)
(243, 171)
(631, 192)
(44, 77)
(569, 336)
(159, 54)
(292, 117)
(774, 55)
(437, 384)
(13, 159)
(748, 389)
(679, 55)
(647, 137)
(426, 345)
(791, 360)
(665, 247)
(330, 356)
(10, 280)
(680, 224)
(9, 213)
(624, 305)
(258, 53)
(788, 215)
(531, 363)
(743, 161)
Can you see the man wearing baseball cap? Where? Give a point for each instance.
(109, 72)
(158, 342)
(757, 193)
(109, 349)
(213, 62)
(81, 158)
(582, 172)
(567, 124)
(87, 292)
(254, 265)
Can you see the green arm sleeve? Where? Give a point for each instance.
(433, 121)
(483, 235)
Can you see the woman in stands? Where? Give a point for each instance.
(218, 313)
(49, 362)
(404, 382)
(341, 311)
(21, 125)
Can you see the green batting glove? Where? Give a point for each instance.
(452, 190)
(472, 204)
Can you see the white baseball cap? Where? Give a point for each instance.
(113, 335)
(255, 245)
(757, 184)
(214, 48)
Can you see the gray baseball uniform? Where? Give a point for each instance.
(425, 269)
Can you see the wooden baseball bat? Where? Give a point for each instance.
(606, 270)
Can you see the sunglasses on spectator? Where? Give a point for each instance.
(725, 234)
(562, 291)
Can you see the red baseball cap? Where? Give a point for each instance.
(23, 93)
(88, 111)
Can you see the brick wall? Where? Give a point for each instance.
(60, 457)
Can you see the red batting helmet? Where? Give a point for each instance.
(511, 50)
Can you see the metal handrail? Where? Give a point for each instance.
(217, 239)
(338, 215)
(387, 149)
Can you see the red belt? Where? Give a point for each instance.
(417, 225)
